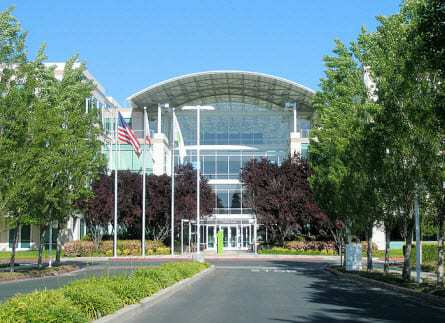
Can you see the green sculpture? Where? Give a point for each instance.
(220, 242)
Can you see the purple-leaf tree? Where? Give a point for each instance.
(281, 196)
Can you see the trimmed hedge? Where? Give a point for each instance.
(89, 299)
(325, 246)
(298, 247)
(84, 248)
(287, 251)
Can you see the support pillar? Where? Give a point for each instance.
(159, 118)
(255, 237)
(161, 154)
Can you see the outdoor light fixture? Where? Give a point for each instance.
(198, 109)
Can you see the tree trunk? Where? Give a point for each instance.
(441, 249)
(15, 241)
(369, 251)
(387, 248)
(406, 272)
(41, 246)
(59, 243)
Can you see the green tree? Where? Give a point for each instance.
(69, 140)
(19, 85)
(427, 33)
(338, 157)
(406, 126)
(50, 147)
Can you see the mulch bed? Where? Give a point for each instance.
(26, 272)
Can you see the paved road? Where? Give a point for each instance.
(284, 291)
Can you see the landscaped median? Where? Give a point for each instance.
(89, 299)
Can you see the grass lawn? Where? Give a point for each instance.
(28, 254)
(393, 253)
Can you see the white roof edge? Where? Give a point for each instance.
(219, 72)
(90, 76)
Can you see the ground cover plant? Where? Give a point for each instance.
(89, 299)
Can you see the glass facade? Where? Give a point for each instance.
(231, 135)
(253, 119)
(128, 160)
(231, 123)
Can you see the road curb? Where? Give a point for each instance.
(422, 297)
(134, 309)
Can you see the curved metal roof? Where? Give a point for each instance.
(239, 86)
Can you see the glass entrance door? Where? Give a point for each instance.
(246, 236)
(231, 237)
(211, 242)
(226, 236)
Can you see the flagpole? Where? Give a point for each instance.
(172, 242)
(198, 180)
(143, 182)
(115, 187)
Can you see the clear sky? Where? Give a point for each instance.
(131, 44)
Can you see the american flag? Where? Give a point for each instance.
(126, 135)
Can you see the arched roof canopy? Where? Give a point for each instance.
(235, 86)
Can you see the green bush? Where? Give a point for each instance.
(80, 248)
(131, 289)
(287, 251)
(42, 306)
(324, 246)
(124, 248)
(89, 299)
(185, 269)
(160, 278)
(93, 297)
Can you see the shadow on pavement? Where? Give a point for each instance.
(339, 300)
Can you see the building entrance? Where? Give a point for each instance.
(236, 236)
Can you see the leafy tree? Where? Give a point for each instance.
(99, 208)
(185, 194)
(406, 126)
(19, 83)
(343, 185)
(426, 32)
(68, 139)
(281, 196)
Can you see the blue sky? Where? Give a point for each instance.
(131, 44)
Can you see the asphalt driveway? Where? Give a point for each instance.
(284, 291)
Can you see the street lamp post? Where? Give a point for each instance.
(198, 109)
